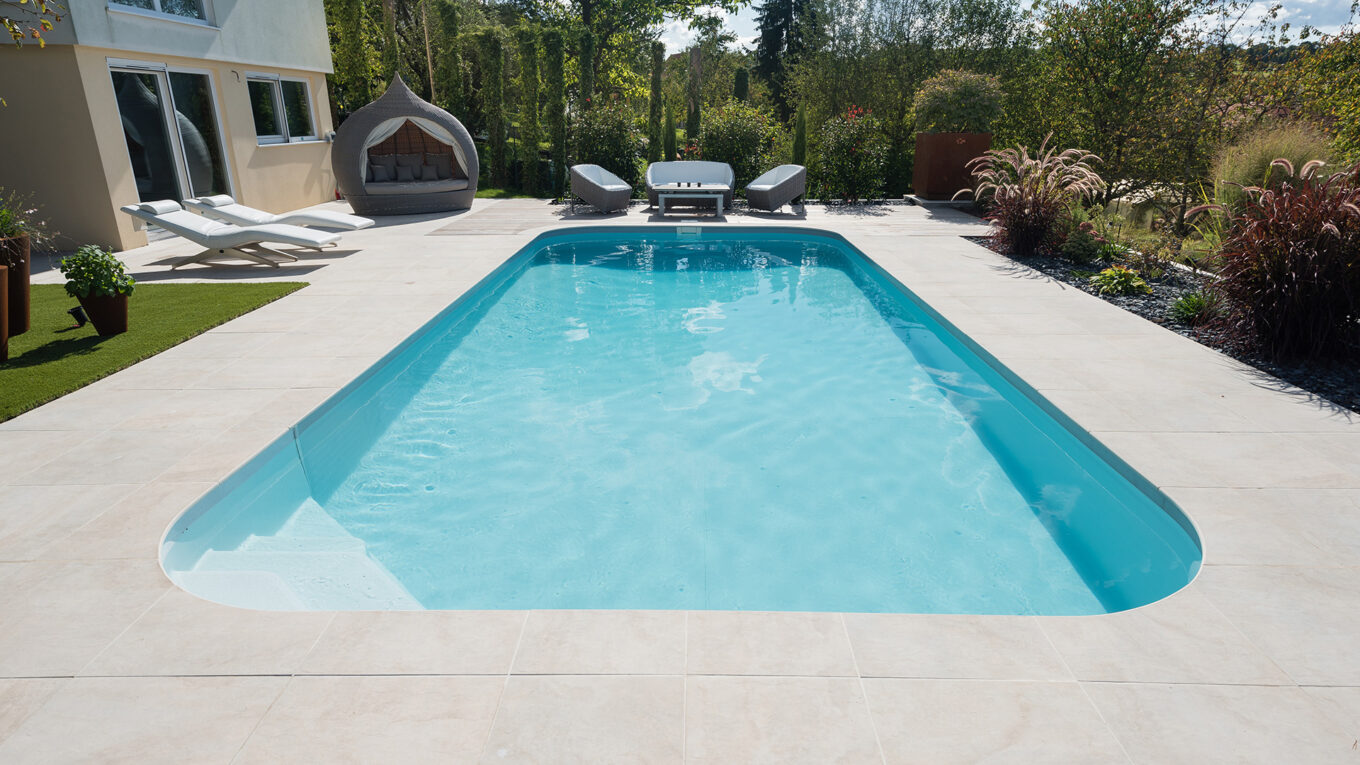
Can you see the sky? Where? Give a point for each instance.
(1326, 15)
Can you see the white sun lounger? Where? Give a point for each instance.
(224, 208)
(224, 240)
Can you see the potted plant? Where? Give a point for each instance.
(101, 283)
(954, 113)
(20, 230)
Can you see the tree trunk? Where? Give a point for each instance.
(429, 52)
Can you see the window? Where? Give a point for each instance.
(282, 109)
(188, 9)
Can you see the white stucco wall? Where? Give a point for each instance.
(287, 34)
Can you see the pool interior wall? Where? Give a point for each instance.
(1035, 517)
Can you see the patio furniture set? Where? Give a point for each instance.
(705, 184)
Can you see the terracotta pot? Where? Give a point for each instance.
(4, 313)
(14, 252)
(940, 168)
(108, 314)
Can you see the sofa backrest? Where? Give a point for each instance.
(692, 171)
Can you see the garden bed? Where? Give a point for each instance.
(1338, 383)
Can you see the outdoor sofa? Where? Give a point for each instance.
(703, 177)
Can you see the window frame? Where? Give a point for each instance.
(155, 12)
(285, 136)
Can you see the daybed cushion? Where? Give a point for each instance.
(428, 173)
(378, 173)
(443, 164)
(405, 173)
(388, 161)
(416, 187)
(410, 160)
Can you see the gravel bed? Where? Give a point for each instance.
(1336, 383)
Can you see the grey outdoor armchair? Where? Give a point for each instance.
(600, 188)
(777, 188)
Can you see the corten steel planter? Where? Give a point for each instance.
(940, 168)
(109, 315)
(14, 253)
(4, 313)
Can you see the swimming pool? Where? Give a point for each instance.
(655, 419)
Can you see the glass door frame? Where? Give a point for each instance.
(171, 126)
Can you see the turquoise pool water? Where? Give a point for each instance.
(739, 420)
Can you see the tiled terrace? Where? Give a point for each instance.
(104, 660)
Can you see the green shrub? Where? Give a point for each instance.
(1084, 245)
(955, 101)
(1247, 161)
(606, 136)
(854, 155)
(1196, 308)
(1118, 280)
(741, 135)
(94, 271)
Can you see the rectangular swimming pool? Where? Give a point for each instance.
(738, 419)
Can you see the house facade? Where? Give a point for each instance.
(140, 100)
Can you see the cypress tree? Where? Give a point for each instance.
(696, 69)
(555, 110)
(493, 101)
(654, 107)
(390, 56)
(528, 111)
(450, 71)
(800, 137)
(668, 136)
(587, 81)
(741, 90)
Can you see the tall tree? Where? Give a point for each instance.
(668, 137)
(528, 110)
(694, 100)
(783, 26)
(351, 84)
(800, 137)
(555, 108)
(654, 105)
(449, 70)
(493, 100)
(390, 55)
(741, 88)
(586, 82)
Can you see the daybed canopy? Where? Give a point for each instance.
(402, 154)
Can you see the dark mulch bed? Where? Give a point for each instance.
(1337, 383)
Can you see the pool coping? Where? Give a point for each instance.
(1259, 635)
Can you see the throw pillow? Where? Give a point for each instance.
(443, 164)
(428, 173)
(388, 161)
(404, 173)
(410, 160)
(378, 173)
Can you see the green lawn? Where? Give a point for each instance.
(54, 358)
(492, 193)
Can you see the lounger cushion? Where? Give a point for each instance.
(217, 200)
(443, 164)
(416, 187)
(159, 208)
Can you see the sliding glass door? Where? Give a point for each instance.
(170, 125)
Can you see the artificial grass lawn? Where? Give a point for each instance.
(494, 193)
(54, 358)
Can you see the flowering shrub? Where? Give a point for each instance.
(1291, 264)
(1028, 194)
(606, 136)
(741, 135)
(955, 101)
(854, 153)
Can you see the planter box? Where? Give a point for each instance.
(940, 168)
(4, 313)
(14, 253)
(109, 315)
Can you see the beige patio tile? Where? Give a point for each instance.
(1291, 411)
(968, 721)
(219, 343)
(164, 374)
(56, 616)
(204, 411)
(1243, 460)
(784, 720)
(1341, 705)
(27, 450)
(143, 721)
(1304, 619)
(1195, 724)
(213, 459)
(955, 646)
(591, 719)
(281, 374)
(20, 699)
(183, 635)
(131, 528)
(376, 719)
(417, 642)
(1182, 638)
(1275, 527)
(602, 643)
(768, 643)
(94, 408)
(34, 517)
(116, 456)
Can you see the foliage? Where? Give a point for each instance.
(1326, 82)
(654, 104)
(1196, 308)
(1028, 193)
(1248, 161)
(741, 89)
(19, 215)
(741, 135)
(1084, 245)
(1119, 281)
(955, 101)
(586, 80)
(94, 272)
(28, 19)
(1291, 265)
(694, 102)
(606, 136)
(783, 26)
(493, 100)
(668, 137)
(555, 106)
(528, 113)
(799, 156)
(53, 359)
(853, 155)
